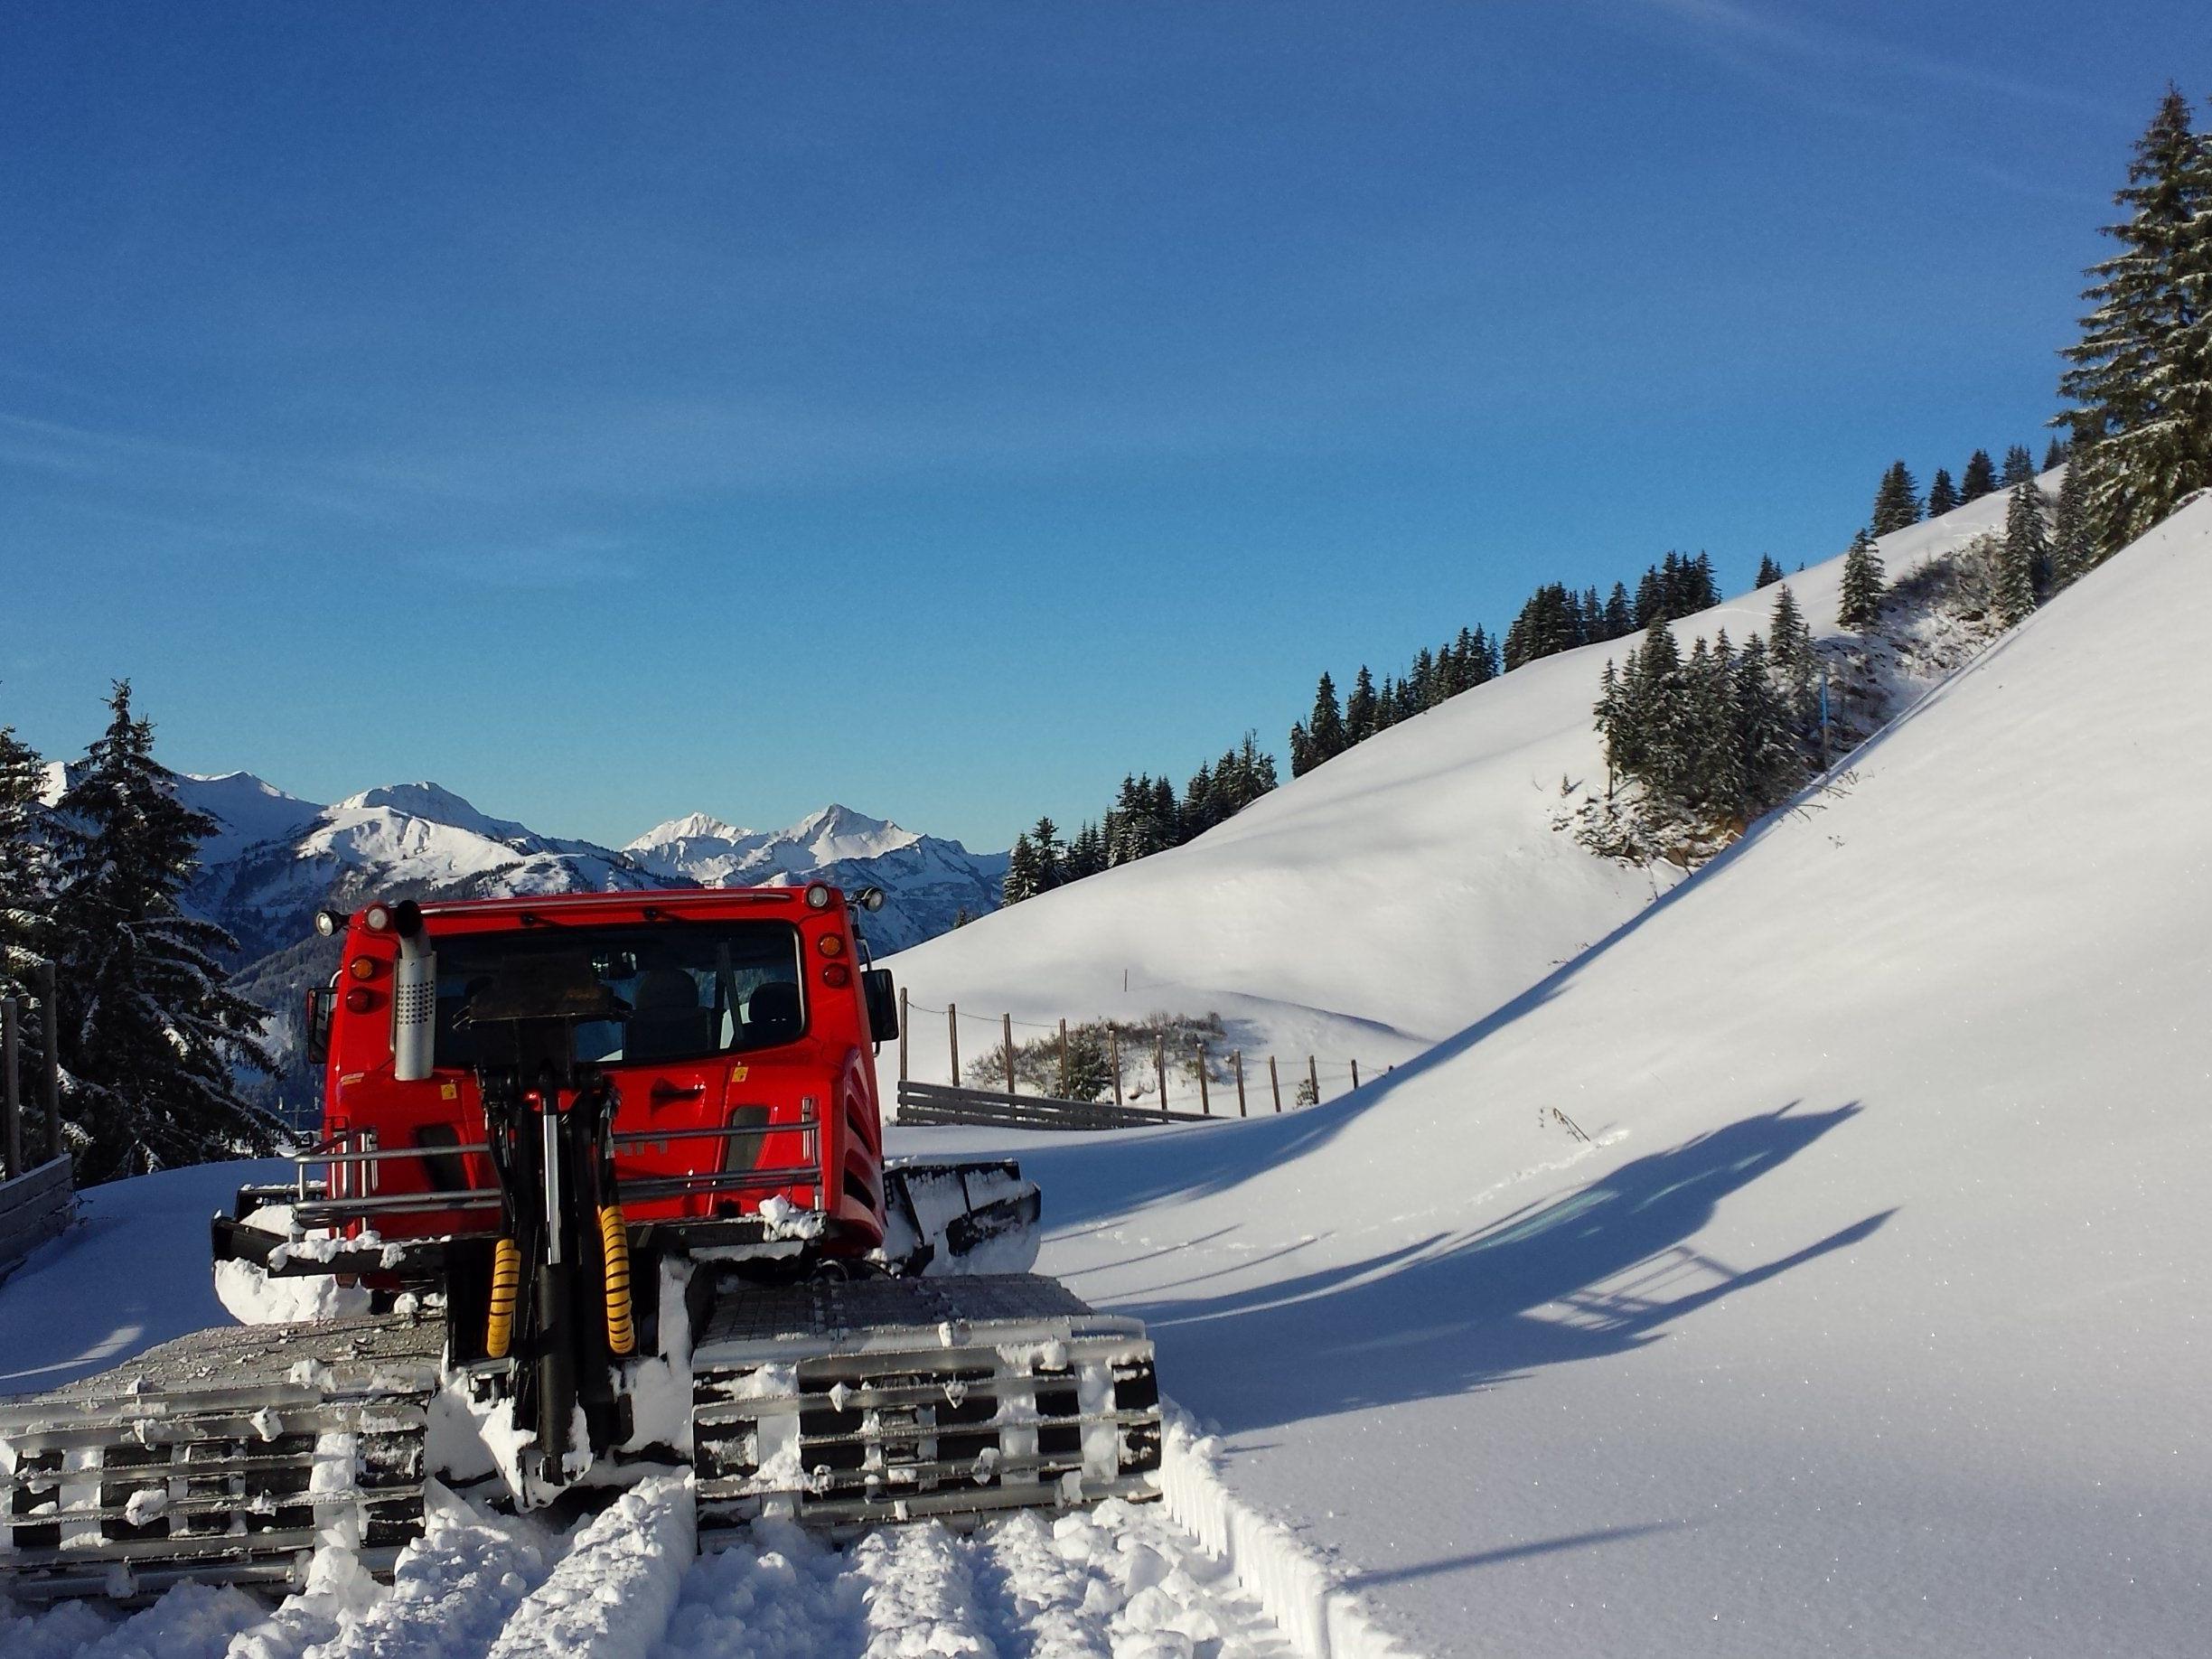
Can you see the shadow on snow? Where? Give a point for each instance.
(1595, 1273)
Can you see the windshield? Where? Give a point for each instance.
(694, 988)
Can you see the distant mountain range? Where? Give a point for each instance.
(276, 859)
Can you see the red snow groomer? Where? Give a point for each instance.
(607, 1172)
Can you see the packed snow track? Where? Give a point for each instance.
(1121, 1580)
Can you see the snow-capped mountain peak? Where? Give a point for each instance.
(693, 827)
(838, 832)
(431, 802)
(707, 850)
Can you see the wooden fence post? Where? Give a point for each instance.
(1206, 1095)
(1114, 1042)
(952, 1038)
(1313, 1079)
(43, 977)
(11, 1092)
(1063, 1059)
(1275, 1082)
(1355, 1073)
(1160, 1062)
(1238, 1060)
(1006, 1028)
(905, 1022)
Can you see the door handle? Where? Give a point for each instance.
(667, 1090)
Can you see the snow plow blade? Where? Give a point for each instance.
(225, 1457)
(846, 1405)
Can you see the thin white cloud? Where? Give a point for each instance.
(1779, 33)
(564, 562)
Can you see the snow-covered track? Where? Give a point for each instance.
(227, 1456)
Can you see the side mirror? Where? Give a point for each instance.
(882, 1004)
(320, 1000)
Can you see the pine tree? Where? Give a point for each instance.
(150, 1034)
(2140, 383)
(1324, 732)
(1942, 494)
(2053, 454)
(26, 883)
(1796, 666)
(1769, 572)
(1389, 704)
(1619, 613)
(1609, 722)
(1860, 608)
(1086, 854)
(1021, 876)
(1487, 666)
(1651, 600)
(1714, 782)
(2024, 567)
(1045, 845)
(2071, 553)
(1898, 503)
(2019, 468)
(1360, 708)
(1769, 736)
(1423, 680)
(1703, 590)
(1979, 478)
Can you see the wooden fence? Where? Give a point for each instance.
(942, 1103)
(1238, 1093)
(36, 1194)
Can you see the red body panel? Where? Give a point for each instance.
(825, 1075)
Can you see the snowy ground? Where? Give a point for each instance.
(1815, 1265)
(1126, 1581)
(1123, 1583)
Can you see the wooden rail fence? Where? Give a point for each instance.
(920, 1102)
(35, 1194)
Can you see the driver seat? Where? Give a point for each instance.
(666, 1021)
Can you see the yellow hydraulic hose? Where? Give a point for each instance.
(506, 1282)
(615, 1245)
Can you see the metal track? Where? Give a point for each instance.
(844, 1405)
(229, 1455)
(225, 1457)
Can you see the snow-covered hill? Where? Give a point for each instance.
(1814, 1265)
(1381, 901)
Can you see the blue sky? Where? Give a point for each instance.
(617, 411)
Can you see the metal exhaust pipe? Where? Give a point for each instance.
(414, 996)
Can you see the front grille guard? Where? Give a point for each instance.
(351, 1187)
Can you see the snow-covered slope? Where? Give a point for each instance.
(248, 811)
(1814, 1265)
(1379, 903)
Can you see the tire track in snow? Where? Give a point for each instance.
(1047, 1605)
(453, 1590)
(611, 1594)
(919, 1597)
(1123, 1582)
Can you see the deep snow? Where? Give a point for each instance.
(1814, 1265)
